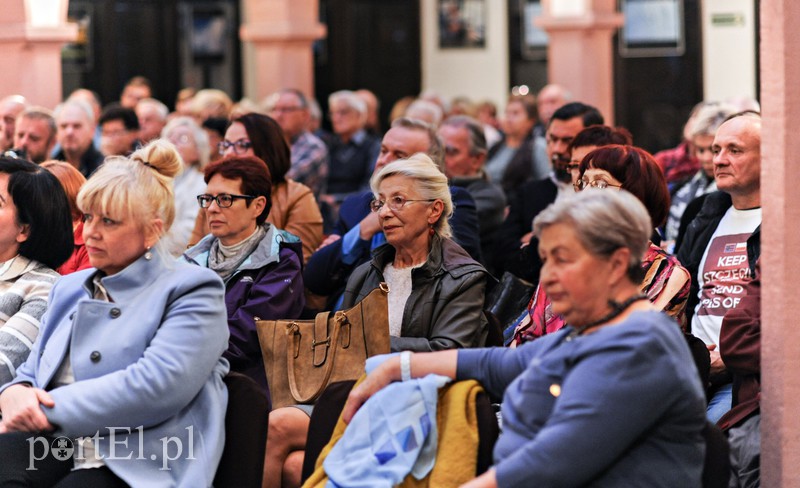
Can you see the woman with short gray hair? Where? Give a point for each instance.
(437, 289)
(191, 141)
(702, 132)
(620, 373)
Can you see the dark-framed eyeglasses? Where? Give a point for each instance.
(395, 203)
(224, 200)
(600, 184)
(239, 147)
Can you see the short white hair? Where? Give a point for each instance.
(161, 109)
(351, 99)
(198, 134)
(430, 182)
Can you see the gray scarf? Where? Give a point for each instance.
(225, 260)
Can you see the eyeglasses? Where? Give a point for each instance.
(284, 110)
(395, 204)
(582, 184)
(180, 140)
(239, 147)
(224, 200)
(114, 133)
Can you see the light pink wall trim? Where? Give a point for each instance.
(281, 32)
(780, 176)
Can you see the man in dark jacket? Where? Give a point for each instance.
(464, 155)
(357, 231)
(722, 243)
(535, 196)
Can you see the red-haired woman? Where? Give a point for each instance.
(72, 180)
(666, 282)
(259, 263)
(293, 207)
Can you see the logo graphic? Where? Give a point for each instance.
(62, 448)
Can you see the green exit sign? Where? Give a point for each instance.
(727, 20)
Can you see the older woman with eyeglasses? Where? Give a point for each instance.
(666, 283)
(293, 207)
(436, 289)
(192, 144)
(259, 263)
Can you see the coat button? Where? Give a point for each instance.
(95, 356)
(115, 312)
(72, 315)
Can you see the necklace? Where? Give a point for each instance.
(616, 309)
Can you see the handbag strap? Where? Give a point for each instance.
(339, 319)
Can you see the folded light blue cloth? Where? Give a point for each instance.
(392, 435)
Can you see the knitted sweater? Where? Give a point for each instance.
(24, 290)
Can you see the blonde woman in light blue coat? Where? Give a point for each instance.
(125, 384)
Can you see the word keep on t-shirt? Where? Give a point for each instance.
(724, 270)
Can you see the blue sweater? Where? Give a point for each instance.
(619, 407)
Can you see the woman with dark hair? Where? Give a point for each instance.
(666, 283)
(259, 263)
(72, 180)
(35, 238)
(294, 208)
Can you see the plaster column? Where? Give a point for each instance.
(31, 54)
(280, 34)
(580, 54)
(780, 174)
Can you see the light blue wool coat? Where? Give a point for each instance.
(149, 362)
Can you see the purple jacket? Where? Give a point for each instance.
(267, 285)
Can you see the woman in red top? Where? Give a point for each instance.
(72, 180)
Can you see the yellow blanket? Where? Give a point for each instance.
(457, 451)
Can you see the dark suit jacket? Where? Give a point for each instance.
(532, 198)
(326, 274)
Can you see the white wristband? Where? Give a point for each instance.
(405, 365)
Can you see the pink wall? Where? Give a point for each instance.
(780, 174)
(580, 52)
(31, 56)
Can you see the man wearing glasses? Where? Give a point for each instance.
(289, 108)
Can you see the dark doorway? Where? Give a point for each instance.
(654, 95)
(370, 44)
(120, 39)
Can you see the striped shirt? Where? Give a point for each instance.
(24, 289)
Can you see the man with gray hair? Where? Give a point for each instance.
(289, 107)
(723, 244)
(464, 155)
(35, 134)
(358, 230)
(76, 126)
(10, 107)
(152, 116)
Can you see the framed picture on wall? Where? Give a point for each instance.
(462, 23)
(652, 28)
(534, 39)
(208, 33)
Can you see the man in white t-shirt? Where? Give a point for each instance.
(722, 242)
